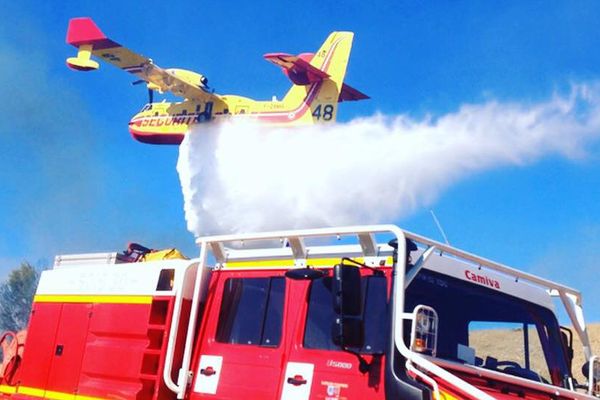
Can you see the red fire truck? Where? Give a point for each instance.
(369, 312)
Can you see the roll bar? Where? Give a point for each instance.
(367, 247)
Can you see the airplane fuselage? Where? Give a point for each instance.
(167, 123)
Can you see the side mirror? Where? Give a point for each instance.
(591, 370)
(348, 326)
(424, 332)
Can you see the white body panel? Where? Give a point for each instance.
(297, 392)
(208, 384)
(116, 279)
(490, 279)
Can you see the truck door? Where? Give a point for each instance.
(69, 344)
(241, 347)
(40, 350)
(333, 372)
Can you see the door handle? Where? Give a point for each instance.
(296, 380)
(208, 371)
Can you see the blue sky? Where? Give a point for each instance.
(74, 181)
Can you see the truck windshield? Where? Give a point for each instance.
(484, 327)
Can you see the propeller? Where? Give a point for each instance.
(150, 91)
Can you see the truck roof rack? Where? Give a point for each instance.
(367, 246)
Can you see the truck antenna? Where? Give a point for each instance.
(437, 222)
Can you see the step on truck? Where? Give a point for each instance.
(367, 312)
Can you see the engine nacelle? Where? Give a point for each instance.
(193, 78)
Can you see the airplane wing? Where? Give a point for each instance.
(302, 72)
(84, 34)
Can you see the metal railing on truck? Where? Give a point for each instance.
(366, 247)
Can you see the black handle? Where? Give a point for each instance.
(297, 380)
(208, 371)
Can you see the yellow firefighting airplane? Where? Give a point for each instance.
(318, 85)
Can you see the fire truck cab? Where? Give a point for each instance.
(367, 312)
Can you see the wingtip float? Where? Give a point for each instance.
(317, 86)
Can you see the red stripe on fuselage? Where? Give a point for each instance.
(156, 138)
(290, 116)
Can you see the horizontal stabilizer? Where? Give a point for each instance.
(297, 68)
(348, 93)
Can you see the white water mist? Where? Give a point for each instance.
(240, 176)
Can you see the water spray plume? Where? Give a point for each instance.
(240, 177)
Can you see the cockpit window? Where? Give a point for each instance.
(484, 327)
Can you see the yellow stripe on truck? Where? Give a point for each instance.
(8, 389)
(313, 262)
(82, 397)
(29, 391)
(111, 299)
(48, 394)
